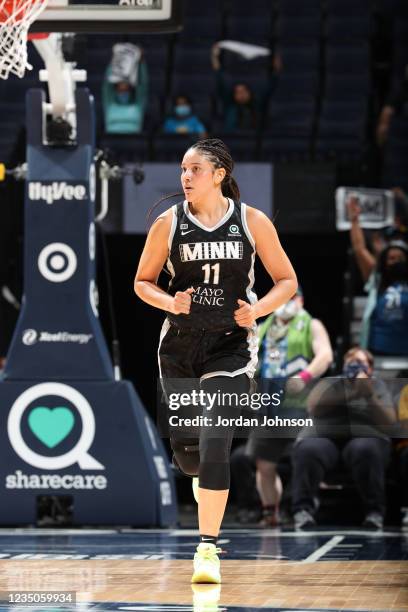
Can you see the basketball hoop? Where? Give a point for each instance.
(16, 17)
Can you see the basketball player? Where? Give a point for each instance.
(209, 242)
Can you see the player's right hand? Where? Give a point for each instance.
(182, 302)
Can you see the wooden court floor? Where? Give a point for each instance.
(260, 569)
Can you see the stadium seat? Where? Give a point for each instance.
(341, 137)
(347, 8)
(127, 147)
(202, 9)
(299, 7)
(294, 29)
(251, 29)
(300, 59)
(245, 9)
(191, 59)
(342, 30)
(400, 31)
(398, 131)
(199, 84)
(296, 86)
(203, 28)
(353, 110)
(293, 119)
(341, 128)
(346, 60)
(400, 9)
(154, 113)
(399, 61)
(283, 148)
(171, 147)
(243, 145)
(345, 87)
(255, 28)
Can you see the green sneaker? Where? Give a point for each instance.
(207, 564)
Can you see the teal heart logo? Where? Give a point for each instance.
(51, 425)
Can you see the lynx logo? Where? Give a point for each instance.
(53, 192)
(196, 251)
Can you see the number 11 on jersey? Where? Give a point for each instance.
(207, 273)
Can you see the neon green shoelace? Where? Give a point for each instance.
(209, 554)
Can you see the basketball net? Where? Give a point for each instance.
(16, 17)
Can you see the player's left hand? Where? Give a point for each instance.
(245, 316)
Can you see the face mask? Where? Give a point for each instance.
(287, 311)
(353, 368)
(182, 110)
(397, 271)
(123, 97)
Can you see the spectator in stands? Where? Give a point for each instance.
(352, 416)
(397, 104)
(387, 317)
(241, 107)
(366, 259)
(125, 90)
(292, 344)
(183, 120)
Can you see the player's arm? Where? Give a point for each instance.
(275, 262)
(322, 350)
(151, 263)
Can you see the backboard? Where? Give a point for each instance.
(110, 16)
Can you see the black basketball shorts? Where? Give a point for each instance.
(195, 353)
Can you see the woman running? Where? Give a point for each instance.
(208, 243)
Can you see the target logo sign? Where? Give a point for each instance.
(57, 262)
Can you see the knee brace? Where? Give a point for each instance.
(186, 456)
(215, 447)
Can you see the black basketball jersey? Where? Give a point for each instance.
(217, 262)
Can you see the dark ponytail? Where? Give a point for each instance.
(229, 188)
